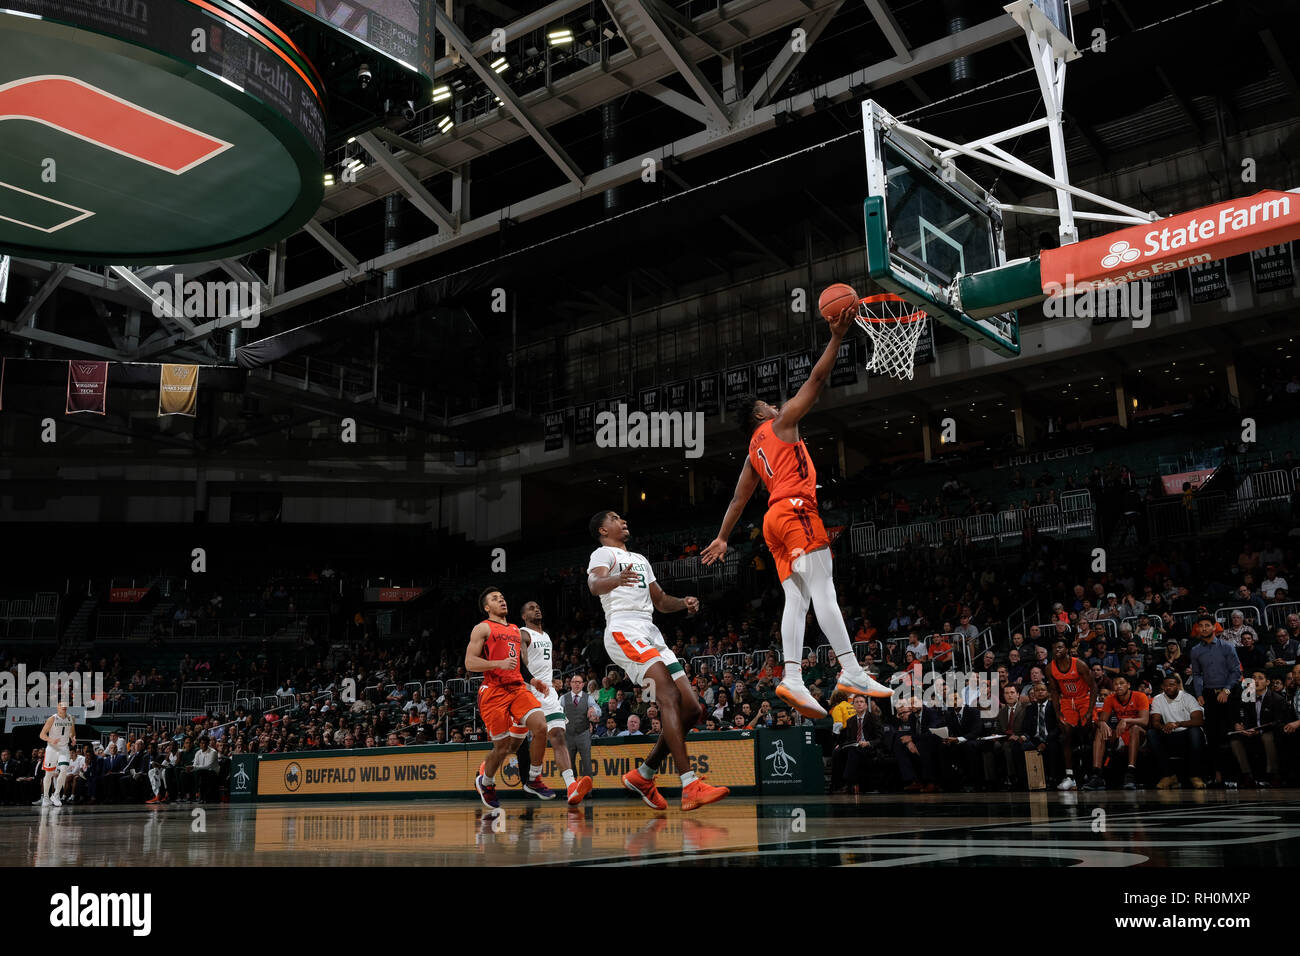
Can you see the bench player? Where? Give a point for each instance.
(1132, 712)
(794, 531)
(60, 736)
(1072, 689)
(538, 659)
(508, 708)
(630, 595)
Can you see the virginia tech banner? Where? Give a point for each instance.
(87, 387)
(178, 390)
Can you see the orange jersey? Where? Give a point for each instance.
(1137, 702)
(503, 643)
(1070, 682)
(786, 469)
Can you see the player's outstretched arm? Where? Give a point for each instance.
(474, 659)
(793, 411)
(717, 548)
(665, 603)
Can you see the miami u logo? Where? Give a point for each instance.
(79, 109)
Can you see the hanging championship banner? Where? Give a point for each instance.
(845, 371)
(584, 424)
(1271, 268)
(740, 382)
(708, 393)
(4, 278)
(178, 390)
(925, 345)
(678, 396)
(767, 380)
(87, 387)
(648, 399)
(554, 430)
(798, 365)
(1163, 291)
(1209, 280)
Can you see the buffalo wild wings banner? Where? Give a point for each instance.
(178, 390)
(87, 387)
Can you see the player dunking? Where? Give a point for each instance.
(60, 736)
(630, 594)
(1072, 690)
(508, 709)
(794, 532)
(539, 662)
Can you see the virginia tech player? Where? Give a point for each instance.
(794, 531)
(508, 708)
(1073, 690)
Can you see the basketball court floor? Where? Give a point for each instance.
(1223, 829)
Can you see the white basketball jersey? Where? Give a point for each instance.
(61, 731)
(626, 598)
(540, 657)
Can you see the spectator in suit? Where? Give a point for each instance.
(1008, 748)
(1259, 715)
(1042, 733)
(859, 745)
(581, 714)
(128, 784)
(913, 748)
(9, 774)
(960, 748)
(1017, 669)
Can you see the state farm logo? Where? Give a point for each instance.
(1119, 252)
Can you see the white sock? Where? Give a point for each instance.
(793, 619)
(1069, 773)
(534, 771)
(46, 784)
(821, 590)
(646, 771)
(688, 778)
(489, 781)
(567, 777)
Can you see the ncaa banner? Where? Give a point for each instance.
(740, 382)
(554, 434)
(87, 387)
(178, 389)
(798, 366)
(767, 380)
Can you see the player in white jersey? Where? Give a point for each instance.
(629, 593)
(539, 659)
(60, 736)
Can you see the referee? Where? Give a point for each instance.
(1216, 673)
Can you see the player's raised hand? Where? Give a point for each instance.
(628, 578)
(716, 551)
(840, 324)
(692, 604)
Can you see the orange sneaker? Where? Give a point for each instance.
(579, 789)
(645, 789)
(697, 793)
(797, 696)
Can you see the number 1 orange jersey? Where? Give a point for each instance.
(786, 468)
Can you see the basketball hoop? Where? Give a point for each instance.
(894, 326)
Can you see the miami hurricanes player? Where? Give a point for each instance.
(538, 661)
(794, 531)
(629, 595)
(1072, 689)
(60, 736)
(508, 708)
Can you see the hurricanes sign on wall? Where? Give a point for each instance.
(139, 133)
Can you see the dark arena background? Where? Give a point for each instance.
(318, 325)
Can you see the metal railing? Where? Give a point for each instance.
(142, 702)
(1276, 614)
(201, 698)
(1249, 614)
(694, 570)
(1075, 515)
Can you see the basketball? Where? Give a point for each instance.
(835, 299)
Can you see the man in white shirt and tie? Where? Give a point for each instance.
(581, 712)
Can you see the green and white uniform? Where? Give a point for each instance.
(540, 660)
(631, 638)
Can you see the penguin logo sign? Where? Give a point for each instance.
(781, 761)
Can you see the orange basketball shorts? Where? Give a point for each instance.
(1074, 710)
(792, 527)
(505, 709)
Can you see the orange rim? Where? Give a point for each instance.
(916, 315)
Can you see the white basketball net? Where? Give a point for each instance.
(894, 326)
